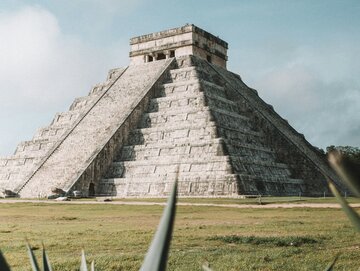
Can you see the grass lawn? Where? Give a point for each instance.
(117, 236)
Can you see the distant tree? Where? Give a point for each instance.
(352, 153)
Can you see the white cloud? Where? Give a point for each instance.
(326, 112)
(41, 70)
(314, 85)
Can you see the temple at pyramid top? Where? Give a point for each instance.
(180, 41)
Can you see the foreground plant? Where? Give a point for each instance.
(46, 262)
(349, 172)
(156, 257)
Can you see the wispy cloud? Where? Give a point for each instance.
(304, 90)
(42, 70)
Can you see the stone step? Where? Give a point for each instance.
(9, 162)
(190, 87)
(182, 176)
(11, 183)
(273, 185)
(176, 101)
(113, 75)
(169, 164)
(14, 174)
(213, 90)
(155, 150)
(250, 150)
(179, 153)
(100, 88)
(269, 178)
(33, 146)
(188, 185)
(82, 103)
(216, 101)
(66, 118)
(254, 166)
(182, 116)
(189, 116)
(240, 134)
(51, 133)
(183, 74)
(185, 88)
(241, 145)
(174, 134)
(231, 119)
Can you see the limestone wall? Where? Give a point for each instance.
(183, 41)
(14, 172)
(89, 137)
(304, 160)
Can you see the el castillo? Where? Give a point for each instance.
(174, 112)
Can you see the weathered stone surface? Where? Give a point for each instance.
(132, 134)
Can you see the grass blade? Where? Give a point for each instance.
(156, 257)
(92, 266)
(46, 262)
(83, 266)
(3, 264)
(33, 261)
(330, 267)
(347, 170)
(350, 212)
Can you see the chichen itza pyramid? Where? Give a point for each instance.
(174, 108)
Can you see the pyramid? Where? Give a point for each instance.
(174, 112)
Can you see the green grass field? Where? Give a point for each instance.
(117, 236)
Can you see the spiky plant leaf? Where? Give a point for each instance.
(92, 266)
(347, 170)
(33, 261)
(331, 265)
(83, 266)
(206, 267)
(3, 264)
(46, 262)
(350, 212)
(156, 257)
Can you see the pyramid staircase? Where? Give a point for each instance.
(193, 127)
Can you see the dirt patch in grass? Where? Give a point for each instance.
(68, 218)
(278, 241)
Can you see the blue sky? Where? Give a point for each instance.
(302, 56)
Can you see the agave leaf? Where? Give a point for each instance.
(332, 264)
(347, 170)
(92, 266)
(206, 267)
(350, 212)
(3, 264)
(156, 257)
(33, 261)
(46, 262)
(83, 266)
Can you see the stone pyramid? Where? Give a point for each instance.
(175, 109)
